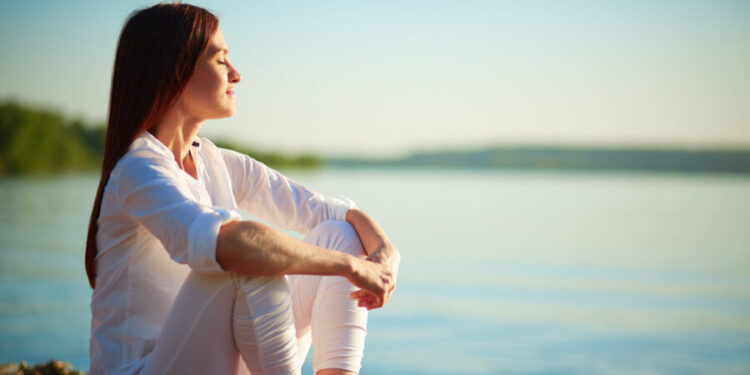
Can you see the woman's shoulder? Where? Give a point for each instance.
(206, 145)
(141, 163)
(140, 157)
(228, 156)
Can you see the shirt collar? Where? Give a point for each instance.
(147, 140)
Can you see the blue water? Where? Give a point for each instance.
(502, 272)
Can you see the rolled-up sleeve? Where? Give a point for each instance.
(149, 192)
(265, 193)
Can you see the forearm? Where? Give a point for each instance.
(379, 250)
(254, 249)
(373, 237)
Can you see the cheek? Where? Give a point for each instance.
(204, 82)
(213, 86)
(205, 94)
(203, 88)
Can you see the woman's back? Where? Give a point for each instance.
(138, 278)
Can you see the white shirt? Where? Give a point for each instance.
(157, 222)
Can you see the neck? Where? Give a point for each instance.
(177, 133)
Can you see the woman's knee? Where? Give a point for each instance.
(334, 226)
(336, 235)
(263, 325)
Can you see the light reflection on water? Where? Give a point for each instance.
(503, 272)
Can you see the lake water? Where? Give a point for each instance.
(502, 273)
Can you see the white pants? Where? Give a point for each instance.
(269, 323)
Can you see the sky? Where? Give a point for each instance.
(386, 78)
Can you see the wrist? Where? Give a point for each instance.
(349, 267)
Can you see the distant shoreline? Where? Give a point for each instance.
(42, 142)
(569, 158)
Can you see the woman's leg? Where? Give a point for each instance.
(323, 311)
(217, 319)
(197, 335)
(264, 326)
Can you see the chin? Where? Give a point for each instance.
(226, 112)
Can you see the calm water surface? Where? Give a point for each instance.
(503, 272)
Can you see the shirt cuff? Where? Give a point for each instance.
(202, 239)
(339, 206)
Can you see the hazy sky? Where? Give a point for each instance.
(387, 77)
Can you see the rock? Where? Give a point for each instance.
(9, 369)
(52, 367)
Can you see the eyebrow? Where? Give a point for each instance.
(219, 50)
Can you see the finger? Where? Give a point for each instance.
(358, 294)
(376, 302)
(369, 304)
(386, 299)
(364, 301)
(368, 301)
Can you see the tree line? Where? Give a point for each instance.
(43, 141)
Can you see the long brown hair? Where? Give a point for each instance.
(158, 50)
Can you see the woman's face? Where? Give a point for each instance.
(209, 93)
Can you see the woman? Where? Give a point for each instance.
(181, 284)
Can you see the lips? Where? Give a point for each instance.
(230, 92)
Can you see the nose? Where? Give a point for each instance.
(234, 75)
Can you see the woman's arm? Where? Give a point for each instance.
(269, 195)
(255, 249)
(379, 250)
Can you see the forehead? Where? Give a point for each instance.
(217, 43)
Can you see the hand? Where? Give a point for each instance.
(376, 282)
(389, 257)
